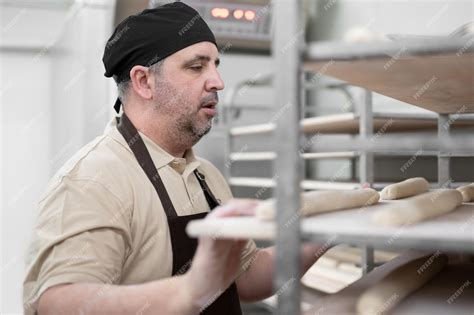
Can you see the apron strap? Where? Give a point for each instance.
(211, 199)
(138, 147)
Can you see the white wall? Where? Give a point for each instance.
(53, 100)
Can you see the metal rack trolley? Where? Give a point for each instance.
(288, 83)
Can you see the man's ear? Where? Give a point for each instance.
(141, 81)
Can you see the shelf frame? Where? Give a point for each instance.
(287, 52)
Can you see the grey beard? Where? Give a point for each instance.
(188, 133)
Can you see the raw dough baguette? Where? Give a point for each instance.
(407, 188)
(418, 208)
(323, 201)
(399, 283)
(467, 192)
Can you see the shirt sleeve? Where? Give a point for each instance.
(82, 235)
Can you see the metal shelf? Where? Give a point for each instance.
(349, 123)
(261, 182)
(354, 226)
(271, 155)
(305, 184)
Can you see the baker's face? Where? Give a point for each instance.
(186, 89)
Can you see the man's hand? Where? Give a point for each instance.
(216, 262)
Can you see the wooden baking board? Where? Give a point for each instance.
(443, 83)
(452, 232)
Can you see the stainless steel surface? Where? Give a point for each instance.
(287, 85)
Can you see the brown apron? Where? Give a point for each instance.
(183, 247)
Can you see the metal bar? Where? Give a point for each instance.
(366, 164)
(444, 160)
(252, 129)
(228, 147)
(330, 155)
(367, 259)
(287, 86)
(271, 155)
(305, 184)
(253, 156)
(413, 143)
(366, 127)
(329, 185)
(308, 184)
(353, 155)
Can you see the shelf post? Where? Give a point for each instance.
(289, 35)
(444, 160)
(366, 127)
(366, 163)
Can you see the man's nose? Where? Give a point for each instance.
(214, 82)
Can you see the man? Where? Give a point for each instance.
(116, 213)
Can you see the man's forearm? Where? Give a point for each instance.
(257, 282)
(167, 296)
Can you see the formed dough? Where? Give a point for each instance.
(467, 192)
(418, 208)
(407, 188)
(401, 282)
(323, 201)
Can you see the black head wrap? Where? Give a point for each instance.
(150, 36)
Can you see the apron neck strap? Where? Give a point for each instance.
(138, 147)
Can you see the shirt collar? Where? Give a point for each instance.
(160, 157)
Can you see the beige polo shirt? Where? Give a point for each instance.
(100, 219)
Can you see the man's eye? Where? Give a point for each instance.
(196, 67)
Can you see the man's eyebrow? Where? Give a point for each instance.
(203, 58)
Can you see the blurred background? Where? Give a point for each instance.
(54, 97)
